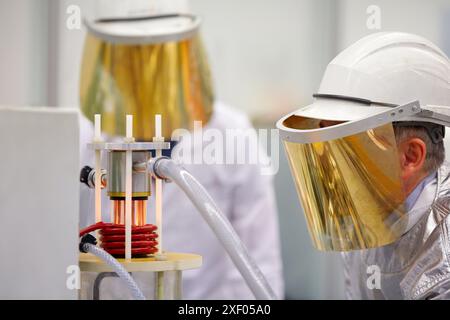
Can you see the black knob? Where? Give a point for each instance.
(84, 175)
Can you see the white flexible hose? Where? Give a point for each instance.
(168, 169)
(117, 267)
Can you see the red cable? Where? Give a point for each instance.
(143, 238)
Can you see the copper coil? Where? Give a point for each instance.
(138, 212)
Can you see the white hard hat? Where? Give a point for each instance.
(378, 73)
(390, 67)
(142, 21)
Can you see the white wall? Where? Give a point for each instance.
(66, 47)
(425, 18)
(23, 52)
(267, 56)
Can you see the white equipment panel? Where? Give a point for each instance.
(39, 201)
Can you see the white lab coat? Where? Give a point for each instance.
(244, 195)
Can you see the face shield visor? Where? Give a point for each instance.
(143, 67)
(344, 161)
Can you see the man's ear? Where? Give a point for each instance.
(412, 157)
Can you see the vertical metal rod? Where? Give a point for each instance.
(158, 185)
(98, 164)
(128, 188)
(112, 208)
(178, 285)
(159, 285)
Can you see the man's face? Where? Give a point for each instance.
(411, 152)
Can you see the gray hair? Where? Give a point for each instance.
(435, 151)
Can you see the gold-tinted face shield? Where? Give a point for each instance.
(171, 79)
(348, 182)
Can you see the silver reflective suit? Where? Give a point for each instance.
(417, 266)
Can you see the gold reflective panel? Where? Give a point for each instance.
(350, 188)
(171, 79)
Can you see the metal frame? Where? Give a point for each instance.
(98, 281)
(133, 146)
(436, 114)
